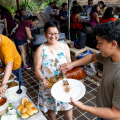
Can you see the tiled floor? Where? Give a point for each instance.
(31, 82)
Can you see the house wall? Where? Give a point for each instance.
(107, 2)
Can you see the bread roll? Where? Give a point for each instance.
(20, 107)
(35, 110)
(23, 110)
(29, 104)
(25, 115)
(30, 111)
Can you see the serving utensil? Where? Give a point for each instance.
(19, 91)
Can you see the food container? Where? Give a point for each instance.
(3, 105)
(12, 84)
(1, 69)
(76, 73)
(13, 96)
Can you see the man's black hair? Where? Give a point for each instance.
(109, 31)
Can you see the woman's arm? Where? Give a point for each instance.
(5, 23)
(96, 17)
(38, 55)
(28, 31)
(38, 63)
(67, 52)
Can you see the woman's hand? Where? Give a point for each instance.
(65, 67)
(2, 90)
(44, 82)
(76, 103)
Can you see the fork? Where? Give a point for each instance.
(65, 81)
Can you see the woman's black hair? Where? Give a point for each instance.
(102, 3)
(109, 31)
(94, 9)
(75, 9)
(33, 18)
(108, 13)
(50, 24)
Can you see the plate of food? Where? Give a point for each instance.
(66, 88)
(25, 108)
(1, 69)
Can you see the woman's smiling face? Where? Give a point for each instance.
(52, 35)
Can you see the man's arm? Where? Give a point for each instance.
(102, 112)
(7, 73)
(83, 61)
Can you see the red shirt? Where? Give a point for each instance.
(107, 20)
(74, 23)
(20, 33)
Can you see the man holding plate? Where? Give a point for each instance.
(108, 97)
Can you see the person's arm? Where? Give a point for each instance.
(62, 18)
(38, 55)
(28, 31)
(83, 61)
(67, 52)
(7, 73)
(96, 17)
(5, 23)
(102, 112)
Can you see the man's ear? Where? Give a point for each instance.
(114, 44)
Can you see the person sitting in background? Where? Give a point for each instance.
(11, 60)
(102, 7)
(47, 60)
(24, 14)
(117, 11)
(49, 11)
(17, 17)
(108, 15)
(22, 32)
(63, 16)
(55, 6)
(88, 8)
(94, 19)
(76, 4)
(8, 20)
(75, 19)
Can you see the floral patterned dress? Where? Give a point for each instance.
(52, 59)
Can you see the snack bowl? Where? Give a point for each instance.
(13, 96)
(3, 105)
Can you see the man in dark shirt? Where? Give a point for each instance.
(63, 15)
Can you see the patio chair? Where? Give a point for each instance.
(44, 17)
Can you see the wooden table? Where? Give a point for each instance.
(75, 52)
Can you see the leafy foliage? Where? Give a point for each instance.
(31, 5)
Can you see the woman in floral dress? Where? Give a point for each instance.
(47, 60)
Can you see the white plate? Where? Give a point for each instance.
(77, 90)
(13, 96)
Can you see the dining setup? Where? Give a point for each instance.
(15, 104)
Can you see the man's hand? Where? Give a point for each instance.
(76, 103)
(65, 67)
